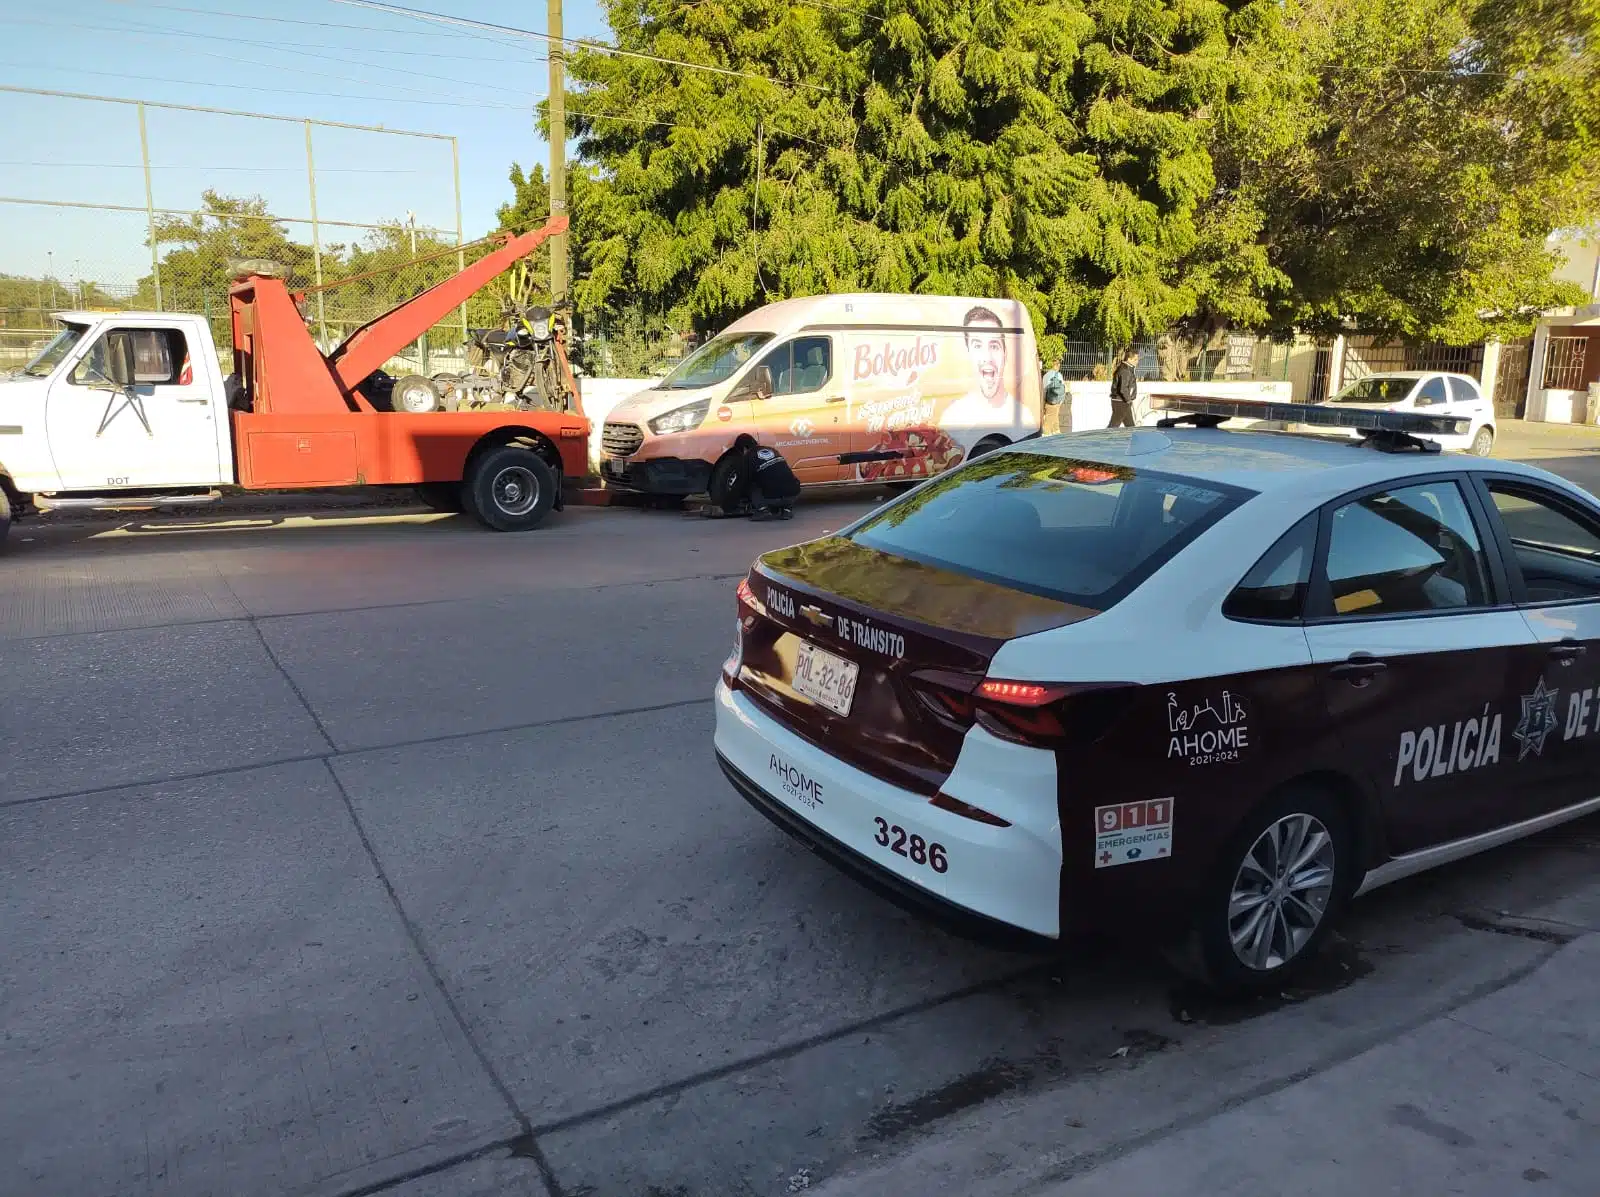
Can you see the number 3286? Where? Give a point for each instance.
(913, 847)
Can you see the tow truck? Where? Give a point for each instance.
(130, 411)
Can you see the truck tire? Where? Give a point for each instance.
(510, 489)
(441, 496)
(414, 394)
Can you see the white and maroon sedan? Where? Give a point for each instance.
(1204, 684)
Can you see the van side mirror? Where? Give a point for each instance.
(120, 359)
(756, 385)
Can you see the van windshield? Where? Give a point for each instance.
(48, 358)
(718, 359)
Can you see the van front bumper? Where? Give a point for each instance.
(657, 476)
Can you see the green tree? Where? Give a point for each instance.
(1051, 150)
(1405, 160)
(196, 253)
(622, 336)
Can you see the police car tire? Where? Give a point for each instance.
(1208, 956)
(480, 498)
(723, 479)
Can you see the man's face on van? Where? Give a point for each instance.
(986, 346)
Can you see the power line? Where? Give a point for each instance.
(321, 170)
(275, 88)
(318, 121)
(296, 47)
(581, 44)
(146, 31)
(247, 16)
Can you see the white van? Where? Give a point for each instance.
(849, 388)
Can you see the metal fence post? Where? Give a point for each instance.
(316, 239)
(461, 257)
(150, 207)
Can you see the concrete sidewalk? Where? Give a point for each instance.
(1493, 1089)
(1497, 1097)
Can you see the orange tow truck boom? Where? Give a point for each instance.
(308, 419)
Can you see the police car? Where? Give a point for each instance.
(1192, 685)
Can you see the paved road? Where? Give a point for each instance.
(375, 853)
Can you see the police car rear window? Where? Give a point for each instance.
(1079, 531)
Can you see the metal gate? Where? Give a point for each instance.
(1511, 380)
(1321, 372)
(1384, 358)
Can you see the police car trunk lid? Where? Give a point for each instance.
(921, 639)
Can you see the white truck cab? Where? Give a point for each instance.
(69, 434)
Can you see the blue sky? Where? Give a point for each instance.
(293, 58)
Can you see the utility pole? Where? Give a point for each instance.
(558, 151)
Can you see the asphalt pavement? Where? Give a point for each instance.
(351, 851)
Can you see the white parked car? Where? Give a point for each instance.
(1430, 392)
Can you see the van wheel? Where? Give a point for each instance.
(1274, 893)
(986, 446)
(414, 394)
(727, 485)
(510, 489)
(1483, 443)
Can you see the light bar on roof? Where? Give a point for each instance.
(1316, 415)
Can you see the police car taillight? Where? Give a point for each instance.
(748, 605)
(1034, 712)
(1020, 694)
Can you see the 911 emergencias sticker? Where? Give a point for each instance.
(1131, 832)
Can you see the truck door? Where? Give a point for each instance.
(806, 418)
(161, 432)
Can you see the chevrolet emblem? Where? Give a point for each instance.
(817, 616)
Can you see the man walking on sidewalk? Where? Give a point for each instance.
(1124, 389)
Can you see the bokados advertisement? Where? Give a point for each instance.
(935, 394)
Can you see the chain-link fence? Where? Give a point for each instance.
(145, 206)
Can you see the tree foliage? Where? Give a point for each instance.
(1051, 150)
(1406, 160)
(1125, 167)
(376, 272)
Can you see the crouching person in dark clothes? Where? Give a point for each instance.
(770, 486)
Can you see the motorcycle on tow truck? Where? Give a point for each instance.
(523, 366)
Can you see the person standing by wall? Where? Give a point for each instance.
(1124, 389)
(1055, 402)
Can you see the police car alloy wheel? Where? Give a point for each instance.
(1275, 894)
